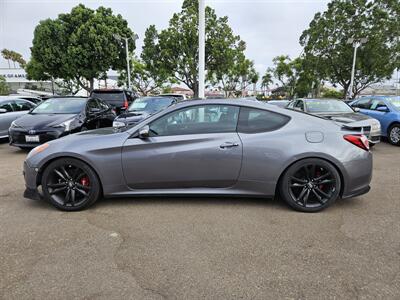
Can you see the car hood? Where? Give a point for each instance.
(38, 121)
(133, 116)
(344, 117)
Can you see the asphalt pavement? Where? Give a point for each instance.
(205, 248)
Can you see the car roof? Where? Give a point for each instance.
(68, 97)
(318, 99)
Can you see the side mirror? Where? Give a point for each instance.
(2, 110)
(144, 132)
(382, 108)
(356, 109)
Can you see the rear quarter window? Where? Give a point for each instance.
(252, 120)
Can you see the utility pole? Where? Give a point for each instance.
(128, 63)
(356, 44)
(202, 23)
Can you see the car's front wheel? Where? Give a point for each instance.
(394, 134)
(310, 185)
(70, 184)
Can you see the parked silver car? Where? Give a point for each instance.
(11, 109)
(207, 147)
(339, 111)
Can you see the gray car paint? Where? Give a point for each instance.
(8, 117)
(128, 166)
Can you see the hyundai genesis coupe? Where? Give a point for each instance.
(206, 147)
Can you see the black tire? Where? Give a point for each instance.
(310, 185)
(70, 184)
(394, 134)
(25, 148)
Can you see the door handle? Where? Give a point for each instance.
(228, 145)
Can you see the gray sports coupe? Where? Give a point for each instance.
(206, 147)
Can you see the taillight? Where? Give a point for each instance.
(126, 104)
(358, 140)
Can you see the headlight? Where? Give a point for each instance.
(14, 125)
(375, 126)
(118, 124)
(66, 125)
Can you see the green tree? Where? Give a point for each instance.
(266, 80)
(79, 46)
(4, 88)
(15, 57)
(147, 74)
(176, 47)
(325, 41)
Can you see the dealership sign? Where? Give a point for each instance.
(14, 75)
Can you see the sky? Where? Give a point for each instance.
(269, 27)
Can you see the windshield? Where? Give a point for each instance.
(150, 104)
(334, 106)
(395, 102)
(60, 106)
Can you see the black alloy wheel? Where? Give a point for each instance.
(70, 184)
(310, 185)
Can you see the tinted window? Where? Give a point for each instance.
(21, 105)
(109, 96)
(363, 103)
(252, 120)
(92, 103)
(7, 106)
(103, 105)
(299, 105)
(60, 106)
(196, 120)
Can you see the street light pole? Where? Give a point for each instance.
(202, 21)
(356, 44)
(128, 65)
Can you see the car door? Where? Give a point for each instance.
(15, 109)
(193, 147)
(93, 114)
(106, 114)
(382, 116)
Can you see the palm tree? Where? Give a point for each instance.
(266, 80)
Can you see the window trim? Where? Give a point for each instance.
(191, 107)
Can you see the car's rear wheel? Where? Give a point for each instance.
(394, 134)
(70, 184)
(310, 185)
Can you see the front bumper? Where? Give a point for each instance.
(31, 182)
(17, 137)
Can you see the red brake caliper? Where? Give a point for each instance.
(85, 181)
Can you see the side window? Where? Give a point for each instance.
(92, 103)
(377, 103)
(299, 105)
(196, 120)
(252, 120)
(363, 103)
(20, 105)
(291, 104)
(103, 105)
(7, 106)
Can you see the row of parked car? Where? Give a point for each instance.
(29, 124)
(377, 116)
(29, 121)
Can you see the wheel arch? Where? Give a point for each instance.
(390, 125)
(48, 162)
(342, 187)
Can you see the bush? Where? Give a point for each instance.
(331, 93)
(4, 88)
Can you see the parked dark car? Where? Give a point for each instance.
(11, 109)
(57, 117)
(119, 99)
(339, 111)
(141, 108)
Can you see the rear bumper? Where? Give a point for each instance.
(357, 175)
